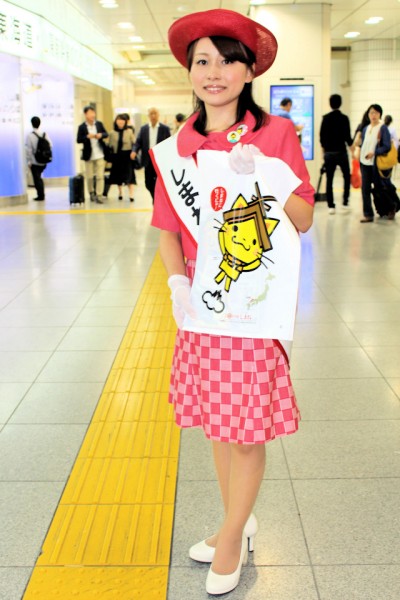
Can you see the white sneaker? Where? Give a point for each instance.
(346, 207)
(332, 211)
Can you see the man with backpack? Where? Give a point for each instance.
(38, 155)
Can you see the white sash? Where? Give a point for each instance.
(181, 179)
(248, 289)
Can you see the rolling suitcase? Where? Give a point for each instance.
(386, 200)
(76, 189)
(318, 196)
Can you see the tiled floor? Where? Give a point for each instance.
(329, 504)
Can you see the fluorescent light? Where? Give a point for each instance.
(257, 2)
(109, 3)
(373, 20)
(125, 25)
(136, 72)
(135, 38)
(352, 34)
(149, 82)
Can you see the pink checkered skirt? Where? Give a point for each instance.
(238, 389)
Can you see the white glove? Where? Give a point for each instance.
(241, 158)
(180, 296)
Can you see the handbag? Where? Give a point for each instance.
(355, 178)
(108, 153)
(387, 161)
(137, 162)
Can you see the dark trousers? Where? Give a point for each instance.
(369, 177)
(37, 171)
(333, 160)
(150, 177)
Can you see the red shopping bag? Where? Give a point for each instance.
(355, 178)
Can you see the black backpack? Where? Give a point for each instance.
(43, 153)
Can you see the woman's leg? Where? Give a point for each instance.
(366, 185)
(239, 492)
(131, 191)
(222, 463)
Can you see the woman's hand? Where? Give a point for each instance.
(180, 296)
(241, 158)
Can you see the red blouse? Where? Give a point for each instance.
(276, 139)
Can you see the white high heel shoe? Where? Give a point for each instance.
(204, 553)
(222, 584)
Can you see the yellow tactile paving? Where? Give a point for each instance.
(94, 583)
(71, 211)
(111, 534)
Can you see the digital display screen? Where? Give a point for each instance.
(301, 112)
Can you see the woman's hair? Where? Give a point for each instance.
(387, 120)
(365, 119)
(376, 107)
(122, 117)
(235, 51)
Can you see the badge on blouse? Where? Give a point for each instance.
(234, 136)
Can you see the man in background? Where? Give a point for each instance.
(334, 135)
(284, 112)
(36, 166)
(91, 134)
(149, 135)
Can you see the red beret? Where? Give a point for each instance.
(225, 23)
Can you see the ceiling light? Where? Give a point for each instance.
(373, 20)
(108, 3)
(135, 38)
(149, 82)
(136, 72)
(352, 34)
(257, 2)
(125, 25)
(138, 47)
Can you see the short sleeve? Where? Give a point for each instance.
(164, 216)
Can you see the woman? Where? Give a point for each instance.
(375, 140)
(388, 120)
(120, 142)
(212, 380)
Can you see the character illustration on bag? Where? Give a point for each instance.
(244, 236)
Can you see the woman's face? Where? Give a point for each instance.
(217, 81)
(374, 116)
(120, 123)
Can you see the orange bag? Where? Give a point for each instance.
(355, 178)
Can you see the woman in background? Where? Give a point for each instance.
(375, 141)
(120, 142)
(388, 120)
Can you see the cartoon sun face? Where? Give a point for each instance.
(241, 240)
(243, 237)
